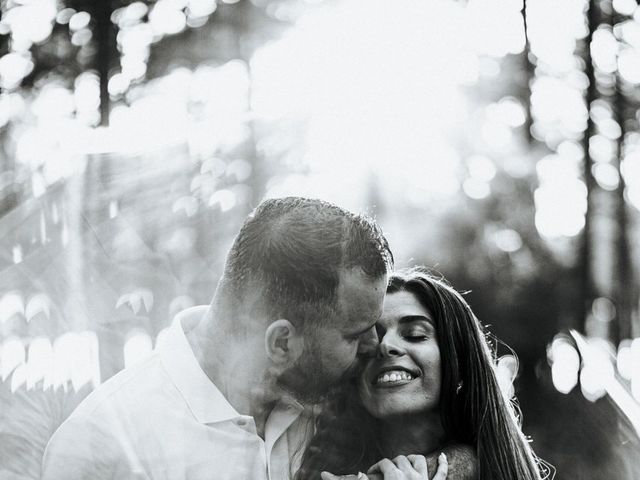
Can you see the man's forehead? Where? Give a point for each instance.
(360, 298)
(354, 281)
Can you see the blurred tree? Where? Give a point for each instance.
(586, 246)
(624, 107)
(525, 79)
(116, 38)
(606, 256)
(109, 221)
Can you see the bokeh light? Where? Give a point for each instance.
(565, 365)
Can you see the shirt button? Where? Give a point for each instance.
(241, 422)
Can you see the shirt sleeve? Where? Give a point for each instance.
(81, 449)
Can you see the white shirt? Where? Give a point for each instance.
(165, 419)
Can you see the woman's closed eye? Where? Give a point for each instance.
(416, 334)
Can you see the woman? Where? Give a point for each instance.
(432, 384)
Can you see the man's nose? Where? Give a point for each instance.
(368, 343)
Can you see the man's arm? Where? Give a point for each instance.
(463, 463)
(461, 459)
(78, 450)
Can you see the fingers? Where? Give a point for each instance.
(331, 476)
(414, 468)
(419, 463)
(401, 468)
(443, 468)
(404, 465)
(387, 468)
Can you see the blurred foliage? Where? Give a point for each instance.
(27, 420)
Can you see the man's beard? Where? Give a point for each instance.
(308, 381)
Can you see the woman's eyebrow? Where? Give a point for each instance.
(416, 318)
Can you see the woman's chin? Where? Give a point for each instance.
(383, 403)
(391, 409)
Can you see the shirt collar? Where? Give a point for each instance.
(280, 419)
(204, 399)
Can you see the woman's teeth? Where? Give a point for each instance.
(393, 376)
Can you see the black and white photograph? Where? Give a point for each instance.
(319, 240)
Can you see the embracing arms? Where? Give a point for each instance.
(459, 463)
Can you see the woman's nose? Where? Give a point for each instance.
(388, 347)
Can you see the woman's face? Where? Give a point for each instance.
(404, 378)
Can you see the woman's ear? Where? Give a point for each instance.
(283, 343)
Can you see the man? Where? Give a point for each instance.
(301, 291)
(302, 288)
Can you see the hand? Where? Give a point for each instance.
(411, 467)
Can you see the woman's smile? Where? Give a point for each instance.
(393, 376)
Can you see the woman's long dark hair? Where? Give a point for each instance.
(477, 414)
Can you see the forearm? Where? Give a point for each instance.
(463, 463)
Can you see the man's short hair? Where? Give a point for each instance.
(292, 250)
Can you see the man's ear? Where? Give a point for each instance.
(282, 342)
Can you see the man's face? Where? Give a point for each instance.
(331, 350)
